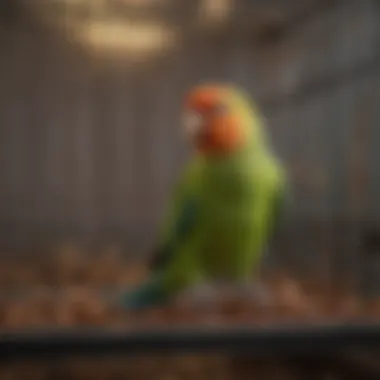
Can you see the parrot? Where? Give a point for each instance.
(227, 204)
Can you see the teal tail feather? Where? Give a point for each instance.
(149, 294)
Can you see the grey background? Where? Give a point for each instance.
(90, 149)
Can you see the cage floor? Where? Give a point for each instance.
(56, 321)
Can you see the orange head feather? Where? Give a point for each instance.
(214, 126)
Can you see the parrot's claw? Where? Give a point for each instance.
(205, 295)
(256, 292)
(209, 295)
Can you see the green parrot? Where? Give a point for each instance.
(226, 205)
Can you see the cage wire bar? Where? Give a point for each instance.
(314, 86)
(90, 188)
(324, 340)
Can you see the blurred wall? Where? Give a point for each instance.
(91, 150)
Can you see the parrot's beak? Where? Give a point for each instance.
(193, 125)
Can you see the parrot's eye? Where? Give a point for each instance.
(192, 123)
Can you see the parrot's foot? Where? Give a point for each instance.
(208, 296)
(256, 292)
(204, 296)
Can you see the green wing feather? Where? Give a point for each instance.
(280, 207)
(181, 218)
(182, 226)
(173, 262)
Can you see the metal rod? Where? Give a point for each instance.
(285, 339)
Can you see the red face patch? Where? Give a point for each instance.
(221, 131)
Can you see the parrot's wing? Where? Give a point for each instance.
(172, 266)
(280, 206)
(183, 224)
(181, 218)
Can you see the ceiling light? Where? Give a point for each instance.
(215, 10)
(139, 40)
